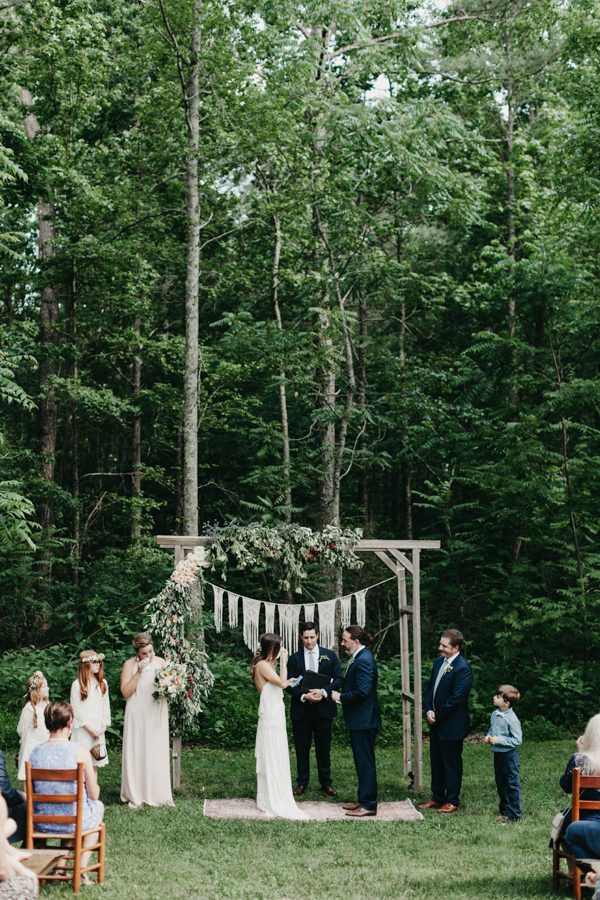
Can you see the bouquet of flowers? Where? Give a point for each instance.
(170, 682)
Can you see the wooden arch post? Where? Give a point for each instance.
(402, 558)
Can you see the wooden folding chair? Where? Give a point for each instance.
(71, 841)
(573, 873)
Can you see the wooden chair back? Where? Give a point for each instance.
(75, 776)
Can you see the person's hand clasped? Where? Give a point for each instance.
(488, 739)
(431, 718)
(314, 696)
(336, 696)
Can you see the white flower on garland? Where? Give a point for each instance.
(186, 570)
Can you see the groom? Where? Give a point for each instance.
(312, 712)
(361, 715)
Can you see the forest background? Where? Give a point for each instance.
(332, 263)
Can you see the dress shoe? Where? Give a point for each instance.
(431, 804)
(448, 808)
(361, 813)
(350, 805)
(502, 819)
(299, 790)
(329, 790)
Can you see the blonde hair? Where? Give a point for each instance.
(590, 746)
(87, 658)
(34, 693)
(141, 639)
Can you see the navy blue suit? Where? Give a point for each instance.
(446, 736)
(14, 800)
(362, 719)
(313, 720)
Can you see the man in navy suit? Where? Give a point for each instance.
(446, 706)
(312, 712)
(361, 716)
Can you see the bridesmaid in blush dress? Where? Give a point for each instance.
(274, 794)
(145, 769)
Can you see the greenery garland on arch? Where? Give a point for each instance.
(287, 549)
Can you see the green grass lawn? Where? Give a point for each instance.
(177, 853)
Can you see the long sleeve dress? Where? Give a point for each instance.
(93, 711)
(31, 735)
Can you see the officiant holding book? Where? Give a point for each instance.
(312, 709)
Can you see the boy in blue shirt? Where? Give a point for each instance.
(505, 735)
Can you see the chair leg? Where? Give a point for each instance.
(576, 882)
(101, 853)
(77, 867)
(555, 865)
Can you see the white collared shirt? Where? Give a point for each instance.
(307, 654)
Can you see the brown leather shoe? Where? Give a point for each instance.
(350, 805)
(361, 813)
(299, 790)
(329, 790)
(448, 808)
(431, 804)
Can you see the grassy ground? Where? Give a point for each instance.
(177, 853)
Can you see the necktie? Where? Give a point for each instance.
(312, 663)
(442, 671)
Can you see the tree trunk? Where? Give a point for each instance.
(74, 428)
(283, 411)
(136, 441)
(192, 360)
(48, 365)
(361, 402)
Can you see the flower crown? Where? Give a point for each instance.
(92, 658)
(36, 682)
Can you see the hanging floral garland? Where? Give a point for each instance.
(186, 680)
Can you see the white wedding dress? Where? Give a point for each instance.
(273, 778)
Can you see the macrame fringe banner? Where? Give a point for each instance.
(289, 615)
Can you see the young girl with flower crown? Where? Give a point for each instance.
(91, 706)
(32, 728)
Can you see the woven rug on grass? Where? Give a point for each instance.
(319, 810)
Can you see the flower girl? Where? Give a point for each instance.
(32, 728)
(91, 706)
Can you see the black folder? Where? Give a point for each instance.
(313, 681)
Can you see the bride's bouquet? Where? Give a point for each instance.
(170, 682)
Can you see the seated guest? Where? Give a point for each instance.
(16, 882)
(578, 836)
(15, 800)
(58, 752)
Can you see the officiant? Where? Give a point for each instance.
(312, 709)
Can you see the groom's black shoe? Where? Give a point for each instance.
(299, 790)
(329, 790)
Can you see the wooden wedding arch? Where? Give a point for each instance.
(403, 558)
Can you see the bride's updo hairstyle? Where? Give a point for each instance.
(141, 640)
(359, 634)
(270, 645)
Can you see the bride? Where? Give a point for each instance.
(274, 782)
